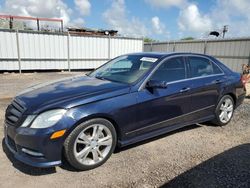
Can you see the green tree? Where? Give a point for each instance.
(188, 38)
(147, 39)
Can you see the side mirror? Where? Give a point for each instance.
(156, 84)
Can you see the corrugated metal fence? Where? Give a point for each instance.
(21, 50)
(232, 52)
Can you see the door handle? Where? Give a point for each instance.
(185, 89)
(218, 81)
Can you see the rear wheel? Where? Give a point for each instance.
(224, 110)
(90, 144)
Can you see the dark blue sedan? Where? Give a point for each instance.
(129, 99)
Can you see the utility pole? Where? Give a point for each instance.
(225, 29)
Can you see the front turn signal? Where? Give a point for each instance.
(58, 134)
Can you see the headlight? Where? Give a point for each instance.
(28, 120)
(44, 120)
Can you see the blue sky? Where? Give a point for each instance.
(157, 19)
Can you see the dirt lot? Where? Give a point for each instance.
(196, 156)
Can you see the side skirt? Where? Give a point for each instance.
(161, 131)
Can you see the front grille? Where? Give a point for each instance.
(14, 113)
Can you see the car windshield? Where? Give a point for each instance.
(126, 69)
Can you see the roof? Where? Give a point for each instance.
(165, 54)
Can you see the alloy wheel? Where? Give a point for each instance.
(226, 110)
(93, 144)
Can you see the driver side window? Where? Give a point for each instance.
(171, 70)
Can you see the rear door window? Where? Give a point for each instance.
(216, 69)
(200, 67)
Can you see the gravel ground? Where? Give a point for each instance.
(196, 156)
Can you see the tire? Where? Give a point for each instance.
(226, 106)
(90, 144)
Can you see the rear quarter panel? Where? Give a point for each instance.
(234, 87)
(233, 84)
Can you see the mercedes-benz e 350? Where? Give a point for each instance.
(129, 99)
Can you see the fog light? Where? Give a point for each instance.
(33, 153)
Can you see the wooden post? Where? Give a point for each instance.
(38, 25)
(61, 26)
(109, 47)
(205, 46)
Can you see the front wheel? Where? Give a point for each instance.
(90, 144)
(224, 111)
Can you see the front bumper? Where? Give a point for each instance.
(34, 140)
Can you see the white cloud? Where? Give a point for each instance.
(240, 7)
(235, 14)
(83, 6)
(48, 9)
(78, 22)
(38, 8)
(117, 18)
(191, 20)
(166, 3)
(158, 27)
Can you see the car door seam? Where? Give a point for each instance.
(130, 132)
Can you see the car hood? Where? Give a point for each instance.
(68, 93)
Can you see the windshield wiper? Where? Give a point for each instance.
(102, 78)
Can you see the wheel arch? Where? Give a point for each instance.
(228, 91)
(95, 116)
(233, 96)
